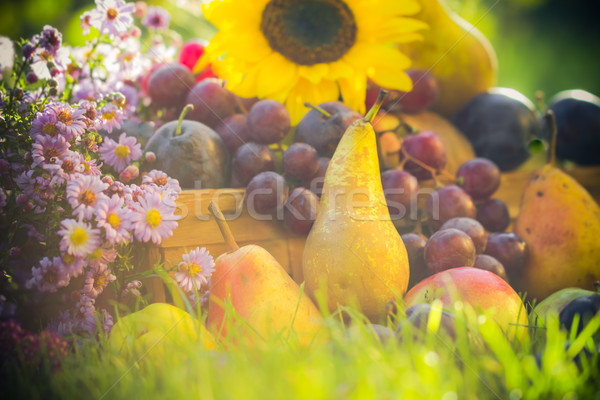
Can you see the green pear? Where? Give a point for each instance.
(354, 255)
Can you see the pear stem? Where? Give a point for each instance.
(551, 127)
(223, 226)
(375, 109)
(319, 109)
(181, 117)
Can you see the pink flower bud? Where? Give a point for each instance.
(140, 9)
(129, 174)
(108, 180)
(150, 156)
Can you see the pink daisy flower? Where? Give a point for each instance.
(96, 279)
(162, 180)
(111, 117)
(112, 215)
(85, 22)
(112, 17)
(83, 194)
(49, 276)
(195, 269)
(156, 18)
(119, 155)
(47, 150)
(91, 168)
(132, 288)
(44, 124)
(70, 120)
(78, 238)
(69, 167)
(74, 265)
(153, 219)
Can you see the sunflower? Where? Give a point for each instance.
(297, 51)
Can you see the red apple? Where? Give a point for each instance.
(484, 291)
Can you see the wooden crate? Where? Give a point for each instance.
(198, 228)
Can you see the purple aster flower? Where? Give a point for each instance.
(91, 168)
(78, 238)
(132, 288)
(112, 17)
(48, 150)
(119, 155)
(85, 314)
(70, 120)
(195, 269)
(153, 219)
(106, 321)
(69, 167)
(111, 117)
(96, 279)
(157, 18)
(49, 276)
(50, 40)
(162, 180)
(44, 124)
(83, 194)
(102, 255)
(74, 265)
(112, 215)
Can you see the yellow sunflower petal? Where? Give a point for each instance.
(390, 30)
(340, 69)
(391, 79)
(385, 8)
(372, 55)
(276, 74)
(305, 91)
(227, 14)
(354, 90)
(313, 73)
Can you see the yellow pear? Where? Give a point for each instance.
(353, 255)
(560, 222)
(458, 55)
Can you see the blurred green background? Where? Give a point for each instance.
(548, 45)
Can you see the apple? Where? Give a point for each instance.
(157, 329)
(482, 291)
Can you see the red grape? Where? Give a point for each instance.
(268, 121)
(508, 248)
(300, 211)
(472, 228)
(449, 202)
(401, 190)
(423, 95)
(428, 148)
(169, 85)
(493, 215)
(315, 183)
(415, 247)
(449, 248)
(234, 131)
(266, 192)
(301, 161)
(250, 159)
(489, 263)
(479, 177)
(212, 102)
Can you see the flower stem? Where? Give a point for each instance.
(223, 226)
(181, 117)
(319, 109)
(375, 109)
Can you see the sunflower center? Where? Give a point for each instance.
(309, 32)
(153, 218)
(78, 236)
(88, 197)
(50, 129)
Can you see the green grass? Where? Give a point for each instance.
(352, 363)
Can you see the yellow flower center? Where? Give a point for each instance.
(79, 236)
(99, 281)
(108, 115)
(153, 218)
(65, 117)
(50, 129)
(86, 167)
(194, 269)
(68, 166)
(309, 32)
(161, 181)
(113, 220)
(122, 151)
(96, 254)
(111, 14)
(88, 197)
(50, 153)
